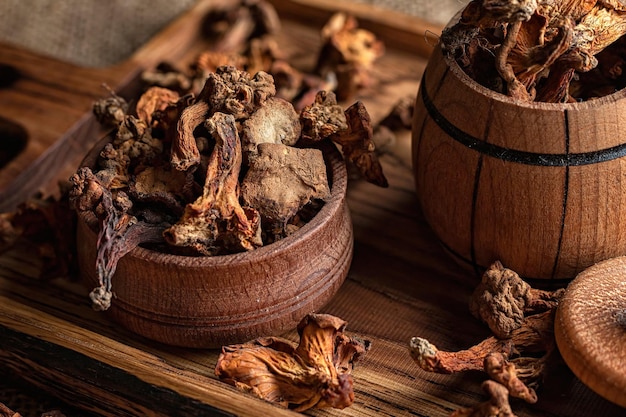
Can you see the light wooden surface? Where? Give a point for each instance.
(401, 284)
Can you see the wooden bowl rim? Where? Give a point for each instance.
(536, 105)
(338, 178)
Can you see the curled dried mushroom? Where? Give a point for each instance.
(316, 373)
(516, 356)
(537, 50)
(224, 172)
(216, 222)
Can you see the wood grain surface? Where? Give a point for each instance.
(401, 284)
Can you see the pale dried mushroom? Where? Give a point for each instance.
(348, 54)
(317, 373)
(274, 122)
(281, 180)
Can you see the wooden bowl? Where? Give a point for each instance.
(207, 302)
(538, 186)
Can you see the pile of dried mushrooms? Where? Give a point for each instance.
(542, 50)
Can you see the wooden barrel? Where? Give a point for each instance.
(538, 186)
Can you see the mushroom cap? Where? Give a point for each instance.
(590, 328)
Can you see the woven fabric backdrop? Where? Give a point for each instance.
(101, 33)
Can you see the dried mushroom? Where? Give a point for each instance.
(322, 118)
(155, 99)
(281, 180)
(503, 300)
(228, 90)
(497, 406)
(274, 122)
(119, 233)
(215, 160)
(216, 220)
(534, 50)
(110, 111)
(516, 357)
(42, 224)
(314, 374)
(7, 412)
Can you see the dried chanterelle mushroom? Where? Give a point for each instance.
(314, 374)
(522, 320)
(281, 180)
(534, 49)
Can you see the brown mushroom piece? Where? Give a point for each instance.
(110, 111)
(590, 328)
(274, 122)
(119, 233)
(358, 146)
(348, 54)
(216, 221)
(7, 412)
(503, 299)
(497, 406)
(281, 180)
(529, 347)
(167, 76)
(247, 20)
(153, 100)
(43, 225)
(317, 373)
(228, 90)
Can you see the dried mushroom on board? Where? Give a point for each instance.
(316, 373)
(516, 356)
(549, 50)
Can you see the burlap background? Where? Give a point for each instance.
(101, 33)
